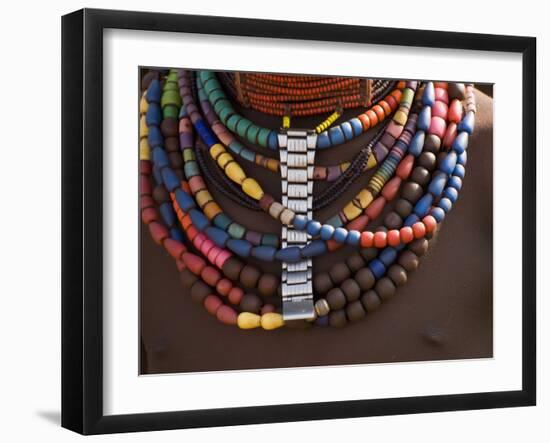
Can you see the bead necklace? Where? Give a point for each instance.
(334, 316)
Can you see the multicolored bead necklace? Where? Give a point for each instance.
(180, 209)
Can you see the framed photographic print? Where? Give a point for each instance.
(271, 221)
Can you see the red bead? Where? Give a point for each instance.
(366, 239)
(407, 235)
(419, 230)
(333, 245)
(145, 185)
(174, 247)
(235, 295)
(212, 303)
(158, 232)
(405, 167)
(358, 224)
(430, 223)
(455, 111)
(441, 95)
(146, 201)
(391, 188)
(149, 215)
(210, 275)
(440, 109)
(394, 238)
(450, 135)
(227, 315)
(380, 239)
(145, 167)
(180, 265)
(223, 286)
(193, 262)
(375, 208)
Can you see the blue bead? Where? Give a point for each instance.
(273, 141)
(327, 231)
(424, 118)
(347, 130)
(322, 321)
(357, 126)
(270, 240)
(313, 227)
(340, 235)
(460, 143)
(314, 248)
(157, 175)
(445, 204)
(153, 92)
(388, 256)
(468, 123)
(437, 184)
(183, 112)
(353, 238)
(240, 247)
(170, 179)
(448, 163)
(334, 221)
(167, 214)
(209, 138)
(423, 205)
(451, 194)
(191, 169)
(377, 268)
(236, 147)
(199, 219)
(160, 158)
(438, 214)
(153, 115)
(336, 136)
(217, 235)
(323, 141)
(247, 154)
(411, 220)
(417, 143)
(265, 253)
(463, 158)
(290, 254)
(455, 182)
(155, 137)
(459, 171)
(222, 221)
(176, 234)
(428, 98)
(300, 222)
(184, 200)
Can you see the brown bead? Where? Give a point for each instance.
(351, 289)
(403, 207)
(412, 192)
(339, 272)
(355, 262)
(456, 90)
(427, 160)
(187, 278)
(267, 285)
(419, 246)
(408, 260)
(420, 175)
(369, 253)
(393, 220)
(322, 283)
(172, 144)
(161, 195)
(250, 303)
(232, 268)
(432, 143)
(176, 160)
(355, 311)
(169, 127)
(381, 229)
(199, 291)
(336, 299)
(148, 78)
(385, 288)
(370, 300)
(249, 276)
(365, 279)
(337, 318)
(398, 275)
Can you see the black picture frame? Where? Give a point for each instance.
(82, 218)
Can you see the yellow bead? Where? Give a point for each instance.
(344, 166)
(144, 150)
(286, 121)
(400, 117)
(371, 162)
(203, 197)
(272, 320)
(351, 211)
(143, 129)
(252, 188)
(216, 150)
(235, 172)
(273, 165)
(247, 320)
(365, 198)
(143, 105)
(223, 159)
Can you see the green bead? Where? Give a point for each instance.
(236, 231)
(170, 112)
(407, 97)
(170, 98)
(216, 96)
(188, 155)
(225, 114)
(270, 240)
(262, 137)
(233, 121)
(252, 134)
(171, 86)
(243, 126)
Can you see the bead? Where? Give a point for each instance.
(423, 205)
(451, 194)
(455, 182)
(391, 188)
(235, 295)
(427, 160)
(199, 291)
(432, 143)
(313, 228)
(212, 303)
(394, 238)
(355, 262)
(385, 288)
(267, 285)
(249, 276)
(419, 246)
(430, 223)
(403, 207)
(339, 272)
(375, 208)
(438, 214)
(252, 188)
(355, 311)
(286, 217)
(398, 275)
(158, 232)
(351, 289)
(340, 235)
(437, 127)
(445, 204)
(240, 247)
(264, 253)
(337, 319)
(421, 176)
(247, 320)
(380, 239)
(467, 123)
(250, 303)
(370, 301)
(428, 97)
(226, 315)
(271, 321)
(300, 222)
(419, 230)
(352, 238)
(289, 254)
(447, 165)
(366, 239)
(365, 279)
(232, 268)
(455, 111)
(336, 299)
(460, 143)
(424, 119)
(235, 173)
(408, 260)
(377, 268)
(457, 91)
(314, 248)
(327, 231)
(437, 184)
(393, 221)
(405, 167)
(406, 234)
(417, 143)
(322, 307)
(411, 192)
